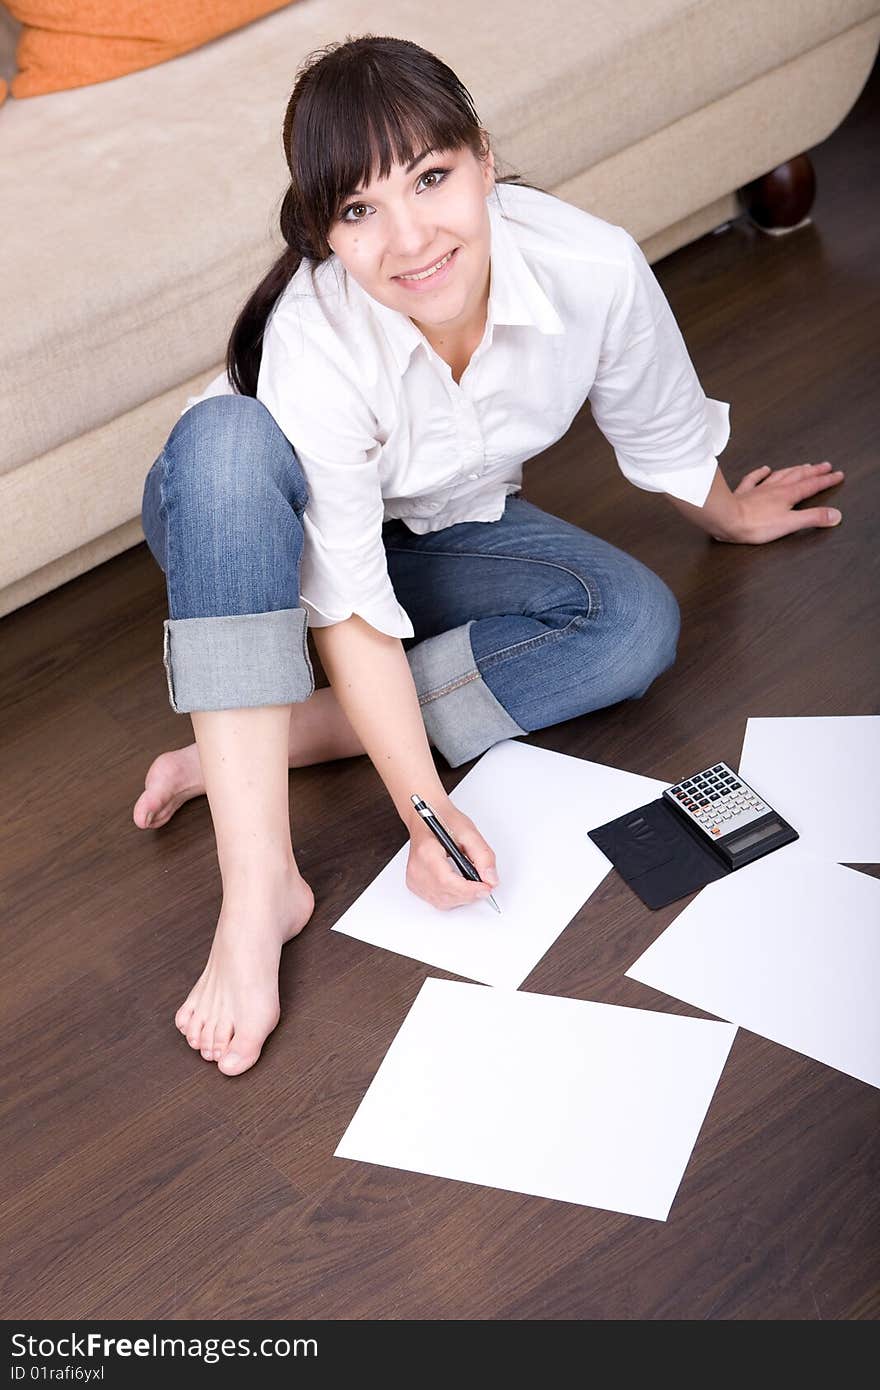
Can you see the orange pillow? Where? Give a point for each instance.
(72, 43)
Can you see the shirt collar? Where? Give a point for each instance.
(515, 297)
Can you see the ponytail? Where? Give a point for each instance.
(245, 348)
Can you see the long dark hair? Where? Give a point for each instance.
(356, 107)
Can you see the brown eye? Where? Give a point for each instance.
(440, 174)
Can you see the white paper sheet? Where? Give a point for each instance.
(788, 947)
(534, 808)
(823, 776)
(587, 1103)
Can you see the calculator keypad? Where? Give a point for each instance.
(718, 801)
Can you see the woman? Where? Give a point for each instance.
(428, 329)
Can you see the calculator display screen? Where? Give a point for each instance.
(753, 837)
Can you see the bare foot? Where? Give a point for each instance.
(171, 779)
(319, 732)
(233, 1006)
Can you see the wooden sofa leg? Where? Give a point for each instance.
(779, 202)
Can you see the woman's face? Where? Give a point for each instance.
(412, 220)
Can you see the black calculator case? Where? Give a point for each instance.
(657, 855)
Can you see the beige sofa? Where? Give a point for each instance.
(137, 213)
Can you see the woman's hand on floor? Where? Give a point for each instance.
(431, 874)
(765, 502)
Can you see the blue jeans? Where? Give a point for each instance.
(519, 623)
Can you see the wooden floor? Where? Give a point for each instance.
(138, 1182)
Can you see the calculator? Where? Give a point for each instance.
(728, 814)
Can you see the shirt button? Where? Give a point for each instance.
(472, 477)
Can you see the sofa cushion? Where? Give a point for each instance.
(146, 208)
(71, 43)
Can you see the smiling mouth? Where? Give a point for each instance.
(432, 270)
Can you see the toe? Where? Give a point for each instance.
(183, 1016)
(194, 1032)
(147, 809)
(243, 1051)
(222, 1037)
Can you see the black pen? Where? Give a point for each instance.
(462, 863)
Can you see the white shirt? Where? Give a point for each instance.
(382, 430)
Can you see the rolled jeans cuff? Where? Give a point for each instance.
(239, 661)
(461, 715)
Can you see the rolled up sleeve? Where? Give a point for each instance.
(329, 424)
(646, 398)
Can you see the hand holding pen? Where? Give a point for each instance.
(429, 873)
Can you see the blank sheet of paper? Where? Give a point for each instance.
(823, 776)
(534, 808)
(587, 1103)
(788, 947)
